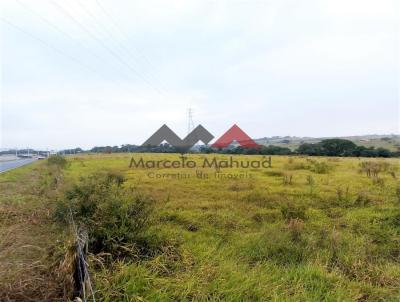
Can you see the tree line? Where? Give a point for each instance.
(327, 147)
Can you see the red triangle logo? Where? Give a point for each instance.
(235, 134)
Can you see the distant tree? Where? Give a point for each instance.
(274, 150)
(309, 149)
(328, 147)
(337, 147)
(251, 151)
(382, 152)
(206, 150)
(342, 147)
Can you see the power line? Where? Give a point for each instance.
(111, 51)
(141, 54)
(105, 30)
(49, 45)
(119, 29)
(58, 29)
(54, 48)
(48, 22)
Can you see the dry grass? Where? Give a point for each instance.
(27, 239)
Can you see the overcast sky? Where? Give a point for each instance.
(110, 72)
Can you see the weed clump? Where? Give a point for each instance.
(270, 216)
(260, 198)
(343, 197)
(240, 186)
(363, 199)
(310, 180)
(273, 173)
(58, 161)
(287, 179)
(51, 177)
(397, 192)
(392, 170)
(378, 181)
(373, 168)
(320, 167)
(115, 177)
(116, 218)
(293, 211)
(295, 165)
(295, 227)
(283, 246)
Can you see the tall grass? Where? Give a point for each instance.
(327, 233)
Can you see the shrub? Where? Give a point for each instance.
(116, 218)
(58, 161)
(120, 222)
(115, 177)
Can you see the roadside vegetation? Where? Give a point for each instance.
(305, 229)
(31, 244)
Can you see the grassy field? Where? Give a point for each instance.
(305, 229)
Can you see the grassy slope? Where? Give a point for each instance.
(242, 248)
(27, 236)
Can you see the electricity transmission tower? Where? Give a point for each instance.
(190, 120)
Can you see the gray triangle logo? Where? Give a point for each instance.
(166, 134)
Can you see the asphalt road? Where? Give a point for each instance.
(13, 164)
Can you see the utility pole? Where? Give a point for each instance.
(190, 120)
